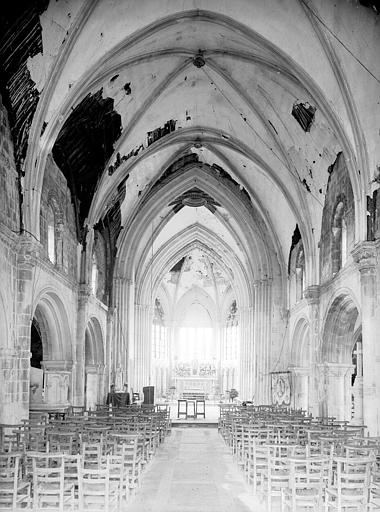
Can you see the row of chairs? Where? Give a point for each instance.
(296, 462)
(90, 461)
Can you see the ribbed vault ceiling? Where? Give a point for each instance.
(132, 92)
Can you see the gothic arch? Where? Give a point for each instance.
(300, 351)
(52, 319)
(94, 344)
(338, 328)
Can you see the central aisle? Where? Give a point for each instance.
(194, 471)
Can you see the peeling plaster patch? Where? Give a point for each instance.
(306, 185)
(304, 113)
(55, 23)
(127, 88)
(120, 159)
(160, 132)
(44, 125)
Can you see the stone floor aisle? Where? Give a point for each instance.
(193, 472)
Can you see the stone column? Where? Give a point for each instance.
(312, 295)
(17, 382)
(300, 387)
(262, 340)
(247, 355)
(365, 257)
(143, 349)
(79, 363)
(14, 385)
(338, 390)
(92, 386)
(124, 327)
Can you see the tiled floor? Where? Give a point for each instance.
(193, 471)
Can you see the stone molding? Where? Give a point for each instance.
(365, 256)
(299, 370)
(338, 369)
(57, 366)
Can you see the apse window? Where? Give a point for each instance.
(51, 234)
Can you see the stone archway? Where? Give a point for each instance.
(94, 364)
(336, 368)
(50, 324)
(300, 365)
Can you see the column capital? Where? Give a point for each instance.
(338, 369)
(365, 256)
(312, 294)
(299, 370)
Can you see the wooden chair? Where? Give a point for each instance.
(308, 477)
(14, 490)
(276, 477)
(97, 491)
(374, 503)
(50, 491)
(350, 489)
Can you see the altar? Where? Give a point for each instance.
(205, 385)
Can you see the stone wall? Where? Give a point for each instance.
(338, 189)
(55, 193)
(9, 196)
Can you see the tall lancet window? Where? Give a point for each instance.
(339, 238)
(51, 234)
(94, 275)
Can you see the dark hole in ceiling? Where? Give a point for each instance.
(374, 5)
(178, 266)
(84, 145)
(304, 113)
(20, 38)
(109, 227)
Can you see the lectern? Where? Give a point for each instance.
(148, 395)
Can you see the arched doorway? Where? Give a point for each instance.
(341, 358)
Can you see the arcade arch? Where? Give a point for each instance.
(340, 338)
(94, 363)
